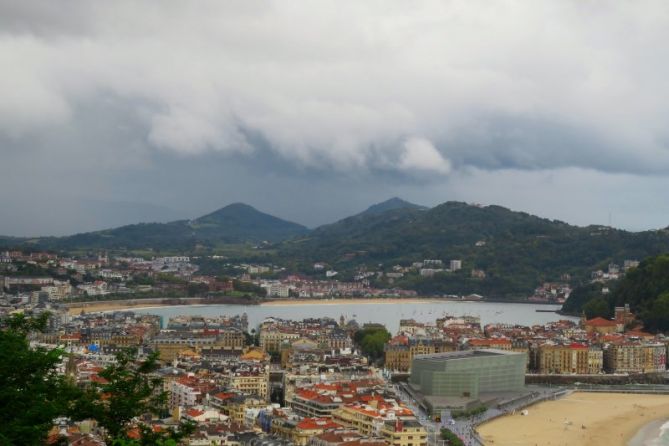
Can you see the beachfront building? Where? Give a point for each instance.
(574, 358)
(631, 357)
(467, 378)
(468, 373)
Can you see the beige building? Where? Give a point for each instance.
(235, 405)
(404, 433)
(595, 360)
(369, 419)
(635, 358)
(251, 382)
(563, 359)
(400, 351)
(271, 340)
(170, 345)
(300, 432)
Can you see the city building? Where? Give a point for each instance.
(404, 433)
(466, 378)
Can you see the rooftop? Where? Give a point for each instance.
(465, 354)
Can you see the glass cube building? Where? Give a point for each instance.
(467, 374)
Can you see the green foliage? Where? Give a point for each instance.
(521, 251)
(32, 393)
(582, 295)
(371, 341)
(450, 438)
(656, 316)
(141, 279)
(129, 392)
(249, 288)
(644, 288)
(236, 223)
(457, 414)
(390, 205)
(197, 289)
(170, 278)
(597, 307)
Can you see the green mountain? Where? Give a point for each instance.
(390, 205)
(645, 289)
(513, 252)
(234, 224)
(241, 222)
(517, 251)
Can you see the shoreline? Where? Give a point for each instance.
(75, 308)
(582, 419)
(129, 304)
(361, 301)
(648, 433)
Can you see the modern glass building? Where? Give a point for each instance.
(467, 374)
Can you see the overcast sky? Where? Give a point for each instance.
(122, 111)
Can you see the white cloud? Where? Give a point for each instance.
(421, 155)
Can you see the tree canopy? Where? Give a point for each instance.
(33, 393)
(372, 340)
(645, 289)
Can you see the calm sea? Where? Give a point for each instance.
(388, 314)
(655, 433)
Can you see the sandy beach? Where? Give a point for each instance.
(96, 307)
(580, 419)
(378, 300)
(93, 307)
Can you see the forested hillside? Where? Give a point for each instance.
(645, 289)
(517, 251)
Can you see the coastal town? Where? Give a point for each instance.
(314, 381)
(30, 276)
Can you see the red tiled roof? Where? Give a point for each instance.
(99, 379)
(317, 423)
(600, 322)
(225, 395)
(399, 340)
(194, 413)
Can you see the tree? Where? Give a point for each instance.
(32, 393)
(128, 392)
(371, 340)
(657, 317)
(597, 307)
(451, 438)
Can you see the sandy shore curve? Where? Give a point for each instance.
(579, 419)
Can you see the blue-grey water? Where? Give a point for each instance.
(655, 433)
(388, 314)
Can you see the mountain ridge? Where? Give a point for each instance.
(390, 205)
(504, 253)
(514, 251)
(231, 224)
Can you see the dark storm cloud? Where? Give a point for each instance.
(355, 86)
(534, 143)
(269, 102)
